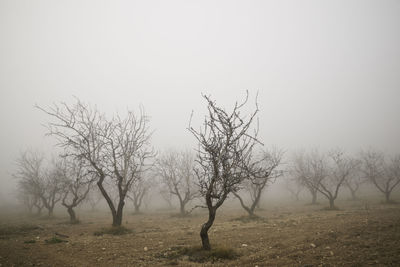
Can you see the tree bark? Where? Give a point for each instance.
(72, 216)
(387, 196)
(50, 211)
(204, 229)
(314, 198)
(353, 195)
(332, 203)
(182, 208)
(117, 218)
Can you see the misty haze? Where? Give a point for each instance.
(199, 133)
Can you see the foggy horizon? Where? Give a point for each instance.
(327, 73)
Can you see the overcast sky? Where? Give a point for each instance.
(327, 72)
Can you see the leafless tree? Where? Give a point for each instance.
(29, 175)
(385, 175)
(28, 199)
(77, 186)
(260, 171)
(137, 193)
(44, 185)
(294, 187)
(224, 145)
(338, 168)
(115, 149)
(53, 185)
(177, 173)
(167, 196)
(308, 170)
(94, 198)
(355, 180)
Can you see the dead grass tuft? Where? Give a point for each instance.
(198, 254)
(54, 240)
(115, 230)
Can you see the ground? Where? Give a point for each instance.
(292, 235)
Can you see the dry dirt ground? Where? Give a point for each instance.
(355, 235)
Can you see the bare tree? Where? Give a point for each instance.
(29, 175)
(44, 185)
(260, 172)
(77, 186)
(51, 188)
(94, 198)
(28, 199)
(294, 187)
(355, 180)
(308, 171)
(384, 175)
(115, 149)
(137, 193)
(167, 196)
(338, 168)
(176, 171)
(224, 145)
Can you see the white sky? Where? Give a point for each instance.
(327, 72)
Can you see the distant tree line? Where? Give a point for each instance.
(111, 158)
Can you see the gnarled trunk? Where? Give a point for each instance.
(182, 208)
(72, 216)
(204, 229)
(387, 196)
(117, 217)
(314, 198)
(332, 203)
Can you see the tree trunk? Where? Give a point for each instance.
(72, 216)
(251, 212)
(204, 229)
(314, 198)
(332, 203)
(353, 195)
(117, 218)
(50, 211)
(137, 208)
(182, 209)
(387, 196)
(39, 211)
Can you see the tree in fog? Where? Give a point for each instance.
(259, 172)
(78, 183)
(29, 174)
(294, 187)
(167, 196)
(224, 145)
(28, 199)
(53, 185)
(383, 174)
(177, 174)
(355, 180)
(137, 193)
(43, 184)
(308, 172)
(338, 167)
(115, 149)
(93, 198)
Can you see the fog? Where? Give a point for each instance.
(327, 73)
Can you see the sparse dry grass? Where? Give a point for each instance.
(292, 236)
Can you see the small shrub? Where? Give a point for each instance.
(247, 219)
(54, 240)
(30, 241)
(198, 254)
(115, 230)
(17, 230)
(329, 208)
